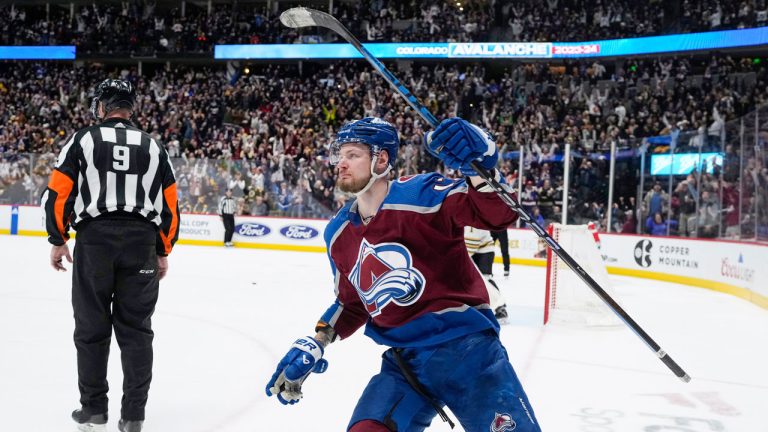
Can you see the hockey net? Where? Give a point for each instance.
(568, 299)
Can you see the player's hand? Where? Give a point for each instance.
(304, 357)
(458, 143)
(57, 254)
(162, 266)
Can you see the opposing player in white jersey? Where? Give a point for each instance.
(481, 248)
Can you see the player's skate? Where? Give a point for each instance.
(129, 425)
(90, 422)
(501, 314)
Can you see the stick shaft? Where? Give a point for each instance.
(322, 19)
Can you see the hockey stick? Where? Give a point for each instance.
(303, 17)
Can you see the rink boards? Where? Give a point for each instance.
(725, 266)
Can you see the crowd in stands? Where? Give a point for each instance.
(586, 20)
(165, 27)
(729, 200)
(147, 28)
(264, 133)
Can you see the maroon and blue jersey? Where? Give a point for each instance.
(407, 275)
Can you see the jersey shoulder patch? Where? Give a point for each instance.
(424, 189)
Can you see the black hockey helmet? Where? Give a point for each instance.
(113, 94)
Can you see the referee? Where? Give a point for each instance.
(227, 207)
(115, 186)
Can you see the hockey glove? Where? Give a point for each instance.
(304, 357)
(457, 143)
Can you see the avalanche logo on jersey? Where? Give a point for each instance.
(384, 273)
(502, 423)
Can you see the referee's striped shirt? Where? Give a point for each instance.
(227, 206)
(112, 167)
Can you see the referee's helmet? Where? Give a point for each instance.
(113, 94)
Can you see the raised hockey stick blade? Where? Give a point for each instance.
(304, 17)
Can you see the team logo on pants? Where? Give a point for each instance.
(384, 273)
(503, 422)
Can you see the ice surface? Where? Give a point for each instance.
(226, 316)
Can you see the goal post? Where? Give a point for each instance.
(568, 300)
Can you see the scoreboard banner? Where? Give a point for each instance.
(66, 52)
(330, 51)
(716, 40)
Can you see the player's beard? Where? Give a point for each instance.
(352, 185)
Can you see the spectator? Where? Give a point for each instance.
(547, 199)
(259, 207)
(732, 210)
(685, 196)
(617, 218)
(586, 178)
(285, 199)
(200, 206)
(708, 217)
(657, 226)
(529, 197)
(537, 217)
(629, 226)
(236, 185)
(656, 200)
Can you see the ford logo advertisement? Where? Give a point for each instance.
(299, 232)
(252, 230)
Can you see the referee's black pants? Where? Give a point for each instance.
(229, 226)
(115, 285)
(503, 237)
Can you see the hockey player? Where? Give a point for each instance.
(481, 245)
(401, 268)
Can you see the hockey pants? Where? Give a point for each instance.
(115, 285)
